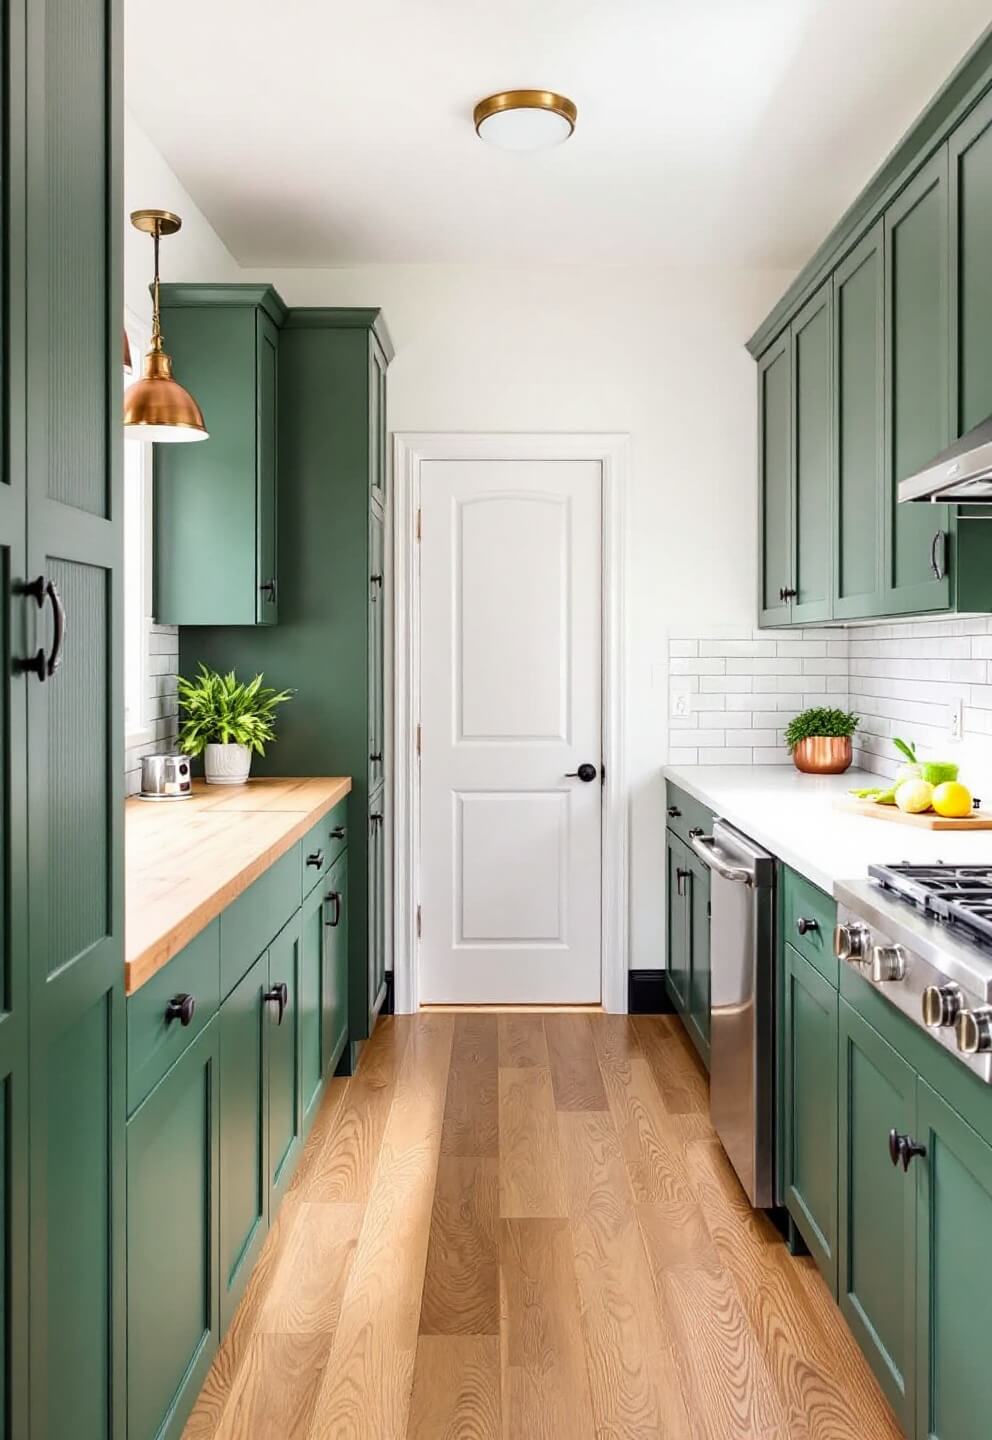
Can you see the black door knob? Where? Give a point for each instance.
(585, 772)
(903, 1148)
(805, 927)
(278, 995)
(181, 1008)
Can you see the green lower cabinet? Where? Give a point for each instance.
(311, 1060)
(954, 1274)
(810, 1108)
(677, 923)
(173, 1315)
(697, 902)
(243, 1104)
(282, 1045)
(334, 966)
(877, 1236)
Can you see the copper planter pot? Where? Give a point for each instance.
(823, 755)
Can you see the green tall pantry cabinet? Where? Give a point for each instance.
(328, 643)
(62, 1059)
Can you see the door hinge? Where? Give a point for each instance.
(419, 922)
(419, 525)
(418, 741)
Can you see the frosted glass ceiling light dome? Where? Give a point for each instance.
(525, 119)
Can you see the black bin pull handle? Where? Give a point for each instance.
(338, 833)
(40, 664)
(334, 898)
(181, 1008)
(315, 859)
(278, 995)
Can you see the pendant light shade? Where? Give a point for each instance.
(156, 407)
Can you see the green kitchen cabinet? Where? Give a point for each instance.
(282, 1041)
(677, 923)
(332, 443)
(970, 177)
(688, 939)
(809, 1029)
(858, 425)
(173, 1302)
(878, 1219)
(243, 1134)
(775, 481)
(215, 526)
(334, 966)
(311, 1004)
(812, 428)
(954, 1272)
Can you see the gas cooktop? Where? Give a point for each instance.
(958, 895)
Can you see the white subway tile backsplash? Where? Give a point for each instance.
(776, 665)
(725, 757)
(739, 649)
(694, 665)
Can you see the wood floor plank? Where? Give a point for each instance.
(677, 1069)
(471, 1106)
(831, 1400)
(530, 1177)
(308, 1284)
(456, 1388)
(522, 1041)
(276, 1387)
(633, 1381)
(365, 1391)
(344, 1167)
(575, 1075)
(545, 1383)
(461, 1283)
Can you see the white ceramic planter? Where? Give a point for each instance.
(226, 764)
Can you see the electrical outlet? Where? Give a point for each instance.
(680, 698)
(956, 709)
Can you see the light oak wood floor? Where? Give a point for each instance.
(521, 1227)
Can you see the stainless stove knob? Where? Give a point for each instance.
(888, 962)
(851, 941)
(941, 1005)
(974, 1030)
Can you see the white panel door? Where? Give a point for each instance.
(511, 592)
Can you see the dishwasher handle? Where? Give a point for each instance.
(705, 848)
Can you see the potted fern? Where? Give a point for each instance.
(224, 720)
(820, 740)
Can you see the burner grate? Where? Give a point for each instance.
(958, 895)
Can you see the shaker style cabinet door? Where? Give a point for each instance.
(812, 426)
(677, 926)
(775, 514)
(282, 1036)
(334, 973)
(918, 547)
(970, 158)
(311, 1002)
(698, 943)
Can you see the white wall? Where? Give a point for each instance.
(657, 354)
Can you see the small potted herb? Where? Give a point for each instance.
(224, 720)
(820, 740)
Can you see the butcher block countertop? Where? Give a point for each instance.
(186, 860)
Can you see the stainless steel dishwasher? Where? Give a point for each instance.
(742, 1004)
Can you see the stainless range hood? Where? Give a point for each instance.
(959, 475)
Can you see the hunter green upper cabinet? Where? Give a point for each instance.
(859, 458)
(971, 268)
(775, 466)
(216, 501)
(812, 426)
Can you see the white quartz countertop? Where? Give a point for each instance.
(795, 817)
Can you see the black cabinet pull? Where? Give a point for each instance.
(338, 833)
(376, 759)
(41, 665)
(904, 1148)
(787, 593)
(696, 831)
(674, 813)
(268, 588)
(805, 927)
(375, 819)
(938, 553)
(680, 877)
(334, 898)
(278, 995)
(181, 1008)
(315, 859)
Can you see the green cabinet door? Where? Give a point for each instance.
(173, 1312)
(376, 666)
(697, 1018)
(282, 1037)
(243, 1133)
(918, 544)
(310, 1005)
(677, 922)
(970, 158)
(954, 1273)
(377, 424)
(334, 975)
(215, 501)
(809, 1098)
(859, 409)
(877, 1238)
(812, 430)
(377, 901)
(775, 516)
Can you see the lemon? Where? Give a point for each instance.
(914, 796)
(952, 799)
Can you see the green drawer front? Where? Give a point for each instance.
(155, 1043)
(256, 917)
(322, 845)
(686, 814)
(808, 919)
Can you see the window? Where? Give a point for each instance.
(138, 729)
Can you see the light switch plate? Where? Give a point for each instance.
(680, 699)
(956, 715)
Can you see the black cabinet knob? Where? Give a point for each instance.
(181, 1008)
(268, 588)
(278, 995)
(315, 859)
(334, 900)
(904, 1149)
(337, 833)
(806, 927)
(585, 772)
(674, 813)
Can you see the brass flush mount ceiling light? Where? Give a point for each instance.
(156, 407)
(525, 119)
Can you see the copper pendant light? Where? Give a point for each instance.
(156, 407)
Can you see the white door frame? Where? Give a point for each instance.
(410, 450)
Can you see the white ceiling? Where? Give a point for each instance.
(314, 132)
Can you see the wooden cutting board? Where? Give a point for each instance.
(976, 821)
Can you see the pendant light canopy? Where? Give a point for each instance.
(525, 119)
(156, 407)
